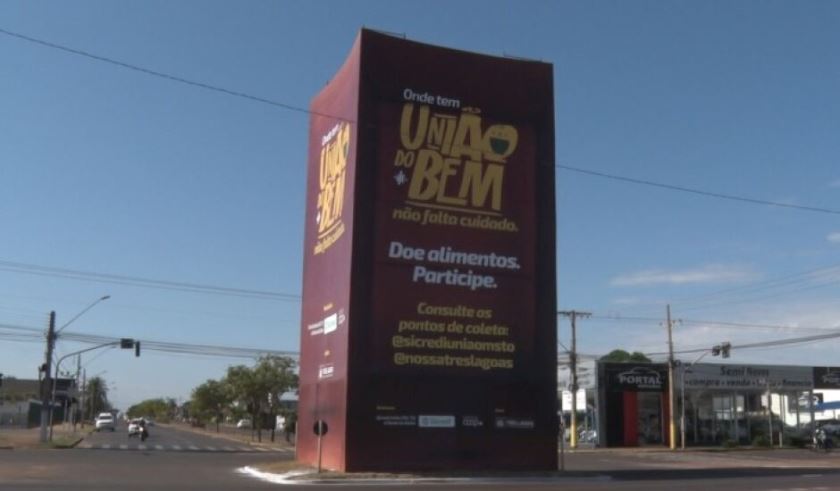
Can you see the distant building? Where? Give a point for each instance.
(20, 402)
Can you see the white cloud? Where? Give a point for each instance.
(715, 273)
(833, 237)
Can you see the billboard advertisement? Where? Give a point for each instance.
(451, 357)
(328, 250)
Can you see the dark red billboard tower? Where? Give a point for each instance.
(428, 337)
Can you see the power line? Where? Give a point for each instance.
(620, 318)
(303, 110)
(763, 344)
(185, 348)
(700, 192)
(34, 269)
(167, 76)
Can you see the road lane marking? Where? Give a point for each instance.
(176, 447)
(193, 447)
(212, 449)
(141, 447)
(260, 449)
(123, 447)
(158, 447)
(106, 446)
(244, 449)
(228, 449)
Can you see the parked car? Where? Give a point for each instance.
(243, 423)
(105, 421)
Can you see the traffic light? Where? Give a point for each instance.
(716, 350)
(724, 350)
(126, 343)
(137, 348)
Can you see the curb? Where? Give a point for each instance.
(309, 478)
(69, 445)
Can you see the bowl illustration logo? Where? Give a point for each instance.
(499, 142)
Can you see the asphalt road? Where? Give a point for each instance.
(168, 459)
(177, 460)
(169, 439)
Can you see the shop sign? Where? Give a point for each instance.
(827, 377)
(746, 377)
(636, 378)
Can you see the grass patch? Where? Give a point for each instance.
(63, 441)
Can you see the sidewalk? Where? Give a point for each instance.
(18, 438)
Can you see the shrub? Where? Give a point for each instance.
(761, 441)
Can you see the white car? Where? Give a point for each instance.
(134, 427)
(105, 421)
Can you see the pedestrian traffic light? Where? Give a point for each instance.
(137, 348)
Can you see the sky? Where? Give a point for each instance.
(113, 171)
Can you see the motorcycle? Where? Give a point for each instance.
(822, 441)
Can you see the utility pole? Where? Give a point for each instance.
(672, 427)
(46, 385)
(83, 398)
(78, 394)
(573, 315)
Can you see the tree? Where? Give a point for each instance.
(96, 397)
(277, 373)
(210, 399)
(260, 387)
(159, 409)
(621, 356)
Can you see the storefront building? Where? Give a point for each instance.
(714, 404)
(633, 407)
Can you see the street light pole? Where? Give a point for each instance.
(58, 364)
(92, 305)
(46, 397)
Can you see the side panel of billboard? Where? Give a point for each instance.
(328, 258)
(455, 363)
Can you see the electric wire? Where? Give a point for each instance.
(299, 109)
(762, 344)
(700, 192)
(173, 78)
(35, 269)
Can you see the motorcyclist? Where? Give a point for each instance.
(822, 440)
(144, 432)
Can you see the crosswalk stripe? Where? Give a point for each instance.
(106, 446)
(176, 447)
(228, 449)
(260, 449)
(159, 447)
(193, 447)
(141, 447)
(123, 447)
(212, 449)
(244, 449)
